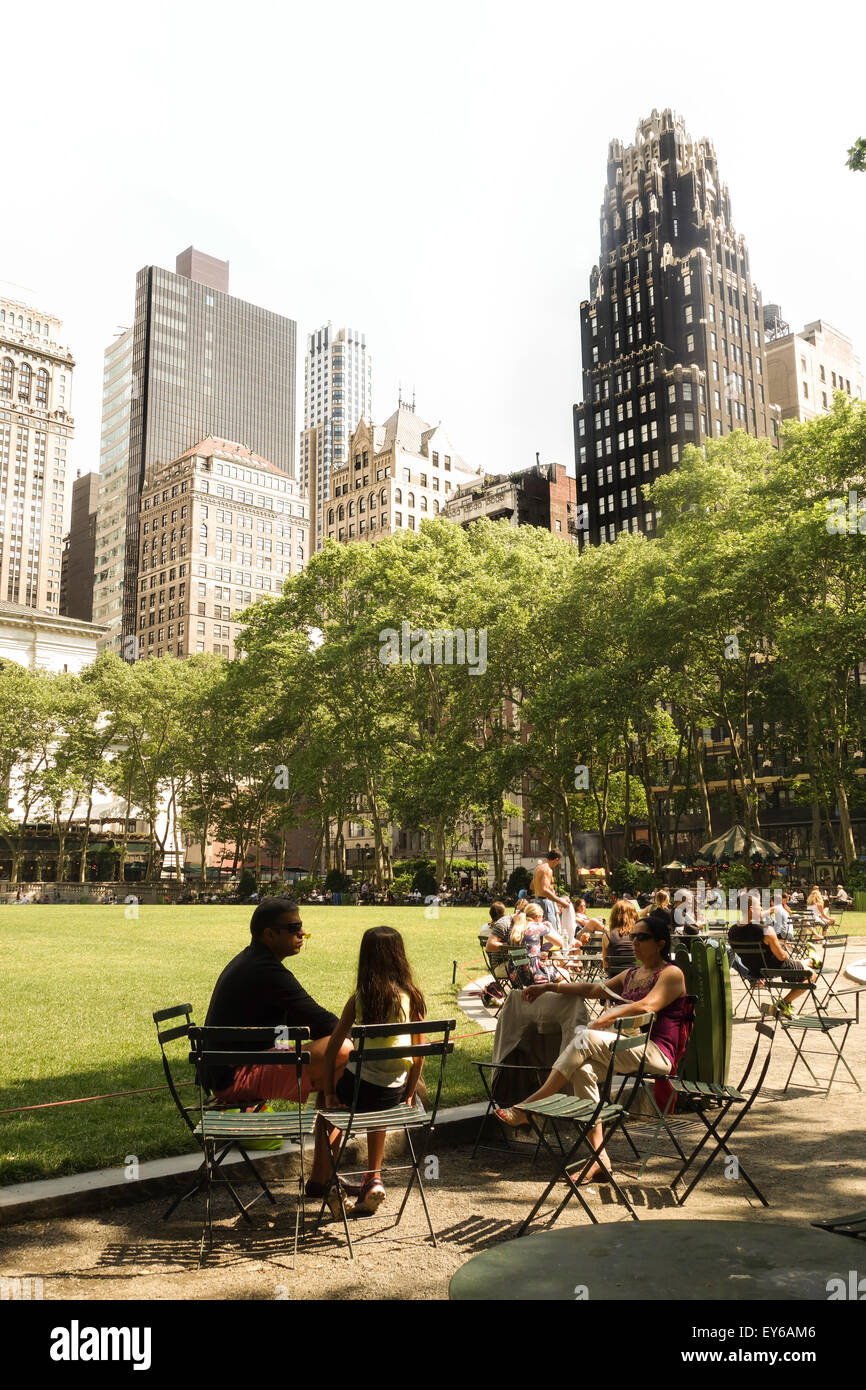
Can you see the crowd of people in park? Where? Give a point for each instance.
(541, 940)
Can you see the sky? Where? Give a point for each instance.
(429, 174)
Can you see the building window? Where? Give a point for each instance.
(805, 390)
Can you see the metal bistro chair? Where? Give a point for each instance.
(188, 1113)
(586, 1114)
(854, 1225)
(660, 1096)
(803, 1026)
(406, 1117)
(489, 1072)
(221, 1130)
(725, 1098)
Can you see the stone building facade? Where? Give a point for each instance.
(805, 369)
(673, 333)
(396, 475)
(36, 429)
(544, 495)
(219, 528)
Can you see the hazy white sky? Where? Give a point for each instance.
(430, 174)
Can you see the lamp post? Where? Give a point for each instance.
(476, 840)
(512, 850)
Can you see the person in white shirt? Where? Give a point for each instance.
(781, 919)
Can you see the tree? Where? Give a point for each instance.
(857, 156)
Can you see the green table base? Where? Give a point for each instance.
(660, 1260)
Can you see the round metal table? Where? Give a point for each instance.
(660, 1260)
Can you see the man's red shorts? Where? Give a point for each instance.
(264, 1082)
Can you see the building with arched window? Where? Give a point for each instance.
(35, 431)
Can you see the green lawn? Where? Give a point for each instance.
(80, 985)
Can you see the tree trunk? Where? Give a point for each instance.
(626, 829)
(652, 822)
(86, 837)
(702, 783)
(439, 850)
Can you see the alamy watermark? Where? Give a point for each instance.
(17, 1290)
(846, 516)
(446, 646)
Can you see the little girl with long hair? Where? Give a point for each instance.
(385, 993)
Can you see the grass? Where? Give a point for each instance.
(80, 984)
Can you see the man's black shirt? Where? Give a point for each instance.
(256, 990)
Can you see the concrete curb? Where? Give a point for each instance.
(81, 1193)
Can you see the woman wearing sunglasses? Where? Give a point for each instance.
(652, 985)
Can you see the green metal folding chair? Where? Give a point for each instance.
(489, 1073)
(715, 1102)
(222, 1130)
(397, 1117)
(659, 1096)
(808, 1028)
(190, 1114)
(585, 1114)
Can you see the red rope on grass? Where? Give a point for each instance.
(80, 1100)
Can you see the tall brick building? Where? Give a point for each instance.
(672, 335)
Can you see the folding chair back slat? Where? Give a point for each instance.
(175, 1011)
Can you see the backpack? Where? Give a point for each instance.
(492, 995)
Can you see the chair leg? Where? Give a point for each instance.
(416, 1173)
(712, 1133)
(198, 1186)
(561, 1169)
(257, 1175)
(721, 1144)
(335, 1164)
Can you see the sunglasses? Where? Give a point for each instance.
(642, 936)
(296, 928)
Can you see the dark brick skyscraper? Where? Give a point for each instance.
(672, 335)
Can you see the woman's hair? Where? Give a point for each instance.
(658, 924)
(816, 898)
(384, 974)
(497, 910)
(622, 917)
(661, 897)
(534, 911)
(518, 927)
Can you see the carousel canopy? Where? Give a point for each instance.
(732, 845)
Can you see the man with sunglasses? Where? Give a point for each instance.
(255, 990)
